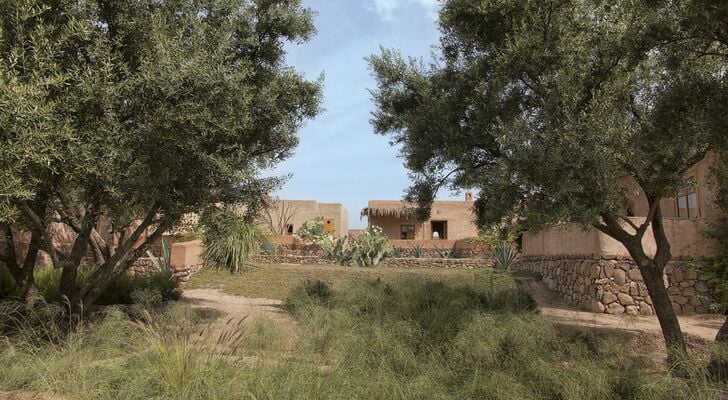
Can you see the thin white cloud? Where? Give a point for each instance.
(387, 8)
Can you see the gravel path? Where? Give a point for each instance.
(552, 305)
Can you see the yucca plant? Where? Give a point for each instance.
(505, 255)
(230, 241)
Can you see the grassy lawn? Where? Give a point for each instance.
(359, 334)
(275, 281)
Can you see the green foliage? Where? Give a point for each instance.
(122, 290)
(390, 339)
(125, 110)
(312, 231)
(543, 108)
(504, 254)
(230, 240)
(371, 247)
(161, 263)
(418, 251)
(7, 283)
(338, 249)
(367, 250)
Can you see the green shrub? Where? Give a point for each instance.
(48, 282)
(230, 241)
(126, 287)
(7, 283)
(340, 250)
(312, 231)
(371, 247)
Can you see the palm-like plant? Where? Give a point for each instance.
(230, 241)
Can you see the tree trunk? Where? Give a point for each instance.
(722, 335)
(663, 308)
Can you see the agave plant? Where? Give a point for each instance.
(417, 251)
(505, 255)
(161, 263)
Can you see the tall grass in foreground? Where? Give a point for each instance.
(401, 339)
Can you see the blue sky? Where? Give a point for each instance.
(339, 158)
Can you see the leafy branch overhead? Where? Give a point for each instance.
(548, 107)
(116, 112)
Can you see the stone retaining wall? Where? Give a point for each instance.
(615, 286)
(145, 266)
(465, 263)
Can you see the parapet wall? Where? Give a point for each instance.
(615, 286)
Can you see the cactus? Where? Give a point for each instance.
(339, 250)
(161, 263)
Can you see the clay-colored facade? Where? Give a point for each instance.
(335, 215)
(686, 220)
(452, 220)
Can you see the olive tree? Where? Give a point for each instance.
(545, 107)
(117, 117)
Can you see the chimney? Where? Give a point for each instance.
(468, 196)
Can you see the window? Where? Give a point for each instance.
(289, 230)
(407, 232)
(687, 205)
(439, 227)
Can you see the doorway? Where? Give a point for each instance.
(440, 227)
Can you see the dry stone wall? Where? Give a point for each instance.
(464, 263)
(615, 286)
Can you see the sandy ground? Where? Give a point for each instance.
(552, 305)
(237, 307)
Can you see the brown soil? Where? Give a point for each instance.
(701, 327)
(236, 307)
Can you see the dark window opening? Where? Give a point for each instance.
(289, 229)
(439, 227)
(407, 232)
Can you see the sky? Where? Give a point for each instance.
(339, 158)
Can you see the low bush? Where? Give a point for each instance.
(159, 285)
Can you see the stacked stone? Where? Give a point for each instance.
(688, 290)
(183, 275)
(462, 263)
(616, 286)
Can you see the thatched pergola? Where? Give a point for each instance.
(398, 210)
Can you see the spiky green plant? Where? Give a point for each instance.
(161, 263)
(371, 247)
(230, 241)
(504, 255)
(338, 250)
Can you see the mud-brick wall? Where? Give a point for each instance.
(615, 286)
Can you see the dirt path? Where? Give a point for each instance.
(237, 307)
(552, 305)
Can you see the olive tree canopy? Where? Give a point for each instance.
(137, 112)
(543, 106)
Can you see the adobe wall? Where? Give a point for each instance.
(306, 210)
(615, 286)
(458, 214)
(686, 237)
